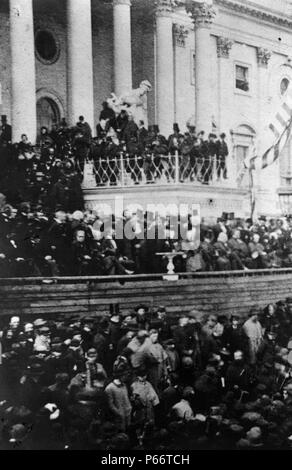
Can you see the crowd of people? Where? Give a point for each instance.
(50, 173)
(199, 156)
(146, 380)
(44, 228)
(85, 243)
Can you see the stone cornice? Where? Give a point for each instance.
(256, 13)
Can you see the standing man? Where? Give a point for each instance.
(5, 131)
(254, 332)
(118, 402)
(222, 153)
(209, 150)
(84, 128)
(142, 134)
(5, 140)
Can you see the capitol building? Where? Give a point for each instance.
(225, 64)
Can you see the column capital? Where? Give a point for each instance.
(263, 56)
(223, 46)
(121, 2)
(164, 7)
(180, 32)
(202, 13)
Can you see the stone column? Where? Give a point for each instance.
(164, 66)
(80, 62)
(23, 70)
(202, 14)
(225, 77)
(263, 57)
(266, 180)
(225, 84)
(122, 46)
(181, 74)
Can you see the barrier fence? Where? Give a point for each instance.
(124, 170)
(223, 292)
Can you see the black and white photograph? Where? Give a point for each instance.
(145, 228)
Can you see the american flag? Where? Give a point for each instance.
(280, 128)
(280, 131)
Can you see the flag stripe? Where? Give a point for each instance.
(252, 163)
(288, 98)
(281, 120)
(274, 130)
(273, 153)
(281, 127)
(287, 109)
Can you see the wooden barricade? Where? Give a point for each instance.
(214, 292)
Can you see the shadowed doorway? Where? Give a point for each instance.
(48, 113)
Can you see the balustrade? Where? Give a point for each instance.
(125, 170)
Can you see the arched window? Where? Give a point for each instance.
(48, 113)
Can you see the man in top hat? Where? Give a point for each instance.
(142, 134)
(222, 153)
(209, 150)
(175, 139)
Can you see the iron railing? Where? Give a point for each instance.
(124, 170)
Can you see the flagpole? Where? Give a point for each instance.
(252, 193)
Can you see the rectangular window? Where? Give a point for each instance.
(241, 78)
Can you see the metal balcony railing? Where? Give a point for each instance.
(124, 170)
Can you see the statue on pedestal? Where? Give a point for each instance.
(134, 102)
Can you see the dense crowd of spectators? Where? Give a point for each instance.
(199, 156)
(47, 175)
(147, 380)
(79, 243)
(46, 232)
(50, 172)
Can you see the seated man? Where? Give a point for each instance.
(257, 253)
(239, 250)
(113, 263)
(81, 255)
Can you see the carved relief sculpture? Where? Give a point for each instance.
(180, 33)
(223, 46)
(263, 56)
